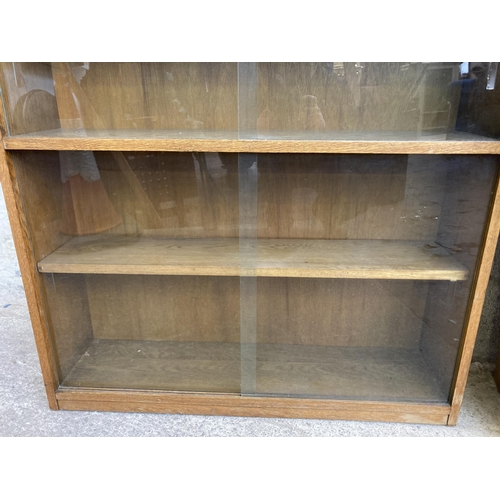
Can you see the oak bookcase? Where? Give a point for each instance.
(306, 240)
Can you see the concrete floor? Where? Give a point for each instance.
(24, 411)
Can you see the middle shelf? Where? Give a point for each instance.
(294, 258)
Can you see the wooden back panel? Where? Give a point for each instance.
(297, 196)
(164, 95)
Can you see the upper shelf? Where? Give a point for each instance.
(234, 142)
(299, 258)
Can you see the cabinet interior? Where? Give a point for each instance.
(197, 228)
(337, 276)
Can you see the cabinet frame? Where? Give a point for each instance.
(225, 404)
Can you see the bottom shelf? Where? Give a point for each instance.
(282, 370)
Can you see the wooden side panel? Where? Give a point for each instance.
(27, 265)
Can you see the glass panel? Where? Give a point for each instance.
(324, 276)
(375, 101)
(364, 268)
(323, 101)
(139, 268)
(248, 182)
(121, 99)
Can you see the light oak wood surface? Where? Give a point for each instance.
(232, 404)
(373, 259)
(233, 142)
(117, 319)
(27, 265)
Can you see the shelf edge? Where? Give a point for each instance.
(260, 273)
(251, 146)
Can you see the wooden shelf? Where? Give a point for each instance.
(286, 370)
(301, 258)
(234, 142)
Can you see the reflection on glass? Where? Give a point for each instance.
(330, 100)
(304, 275)
(141, 304)
(301, 275)
(364, 268)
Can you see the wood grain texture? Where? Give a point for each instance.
(195, 195)
(355, 96)
(154, 397)
(475, 307)
(28, 271)
(345, 372)
(39, 179)
(317, 371)
(86, 207)
(164, 95)
(362, 259)
(321, 312)
(386, 197)
(401, 414)
(299, 196)
(178, 366)
(187, 308)
(284, 310)
(207, 404)
(299, 200)
(223, 143)
(68, 94)
(140, 95)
